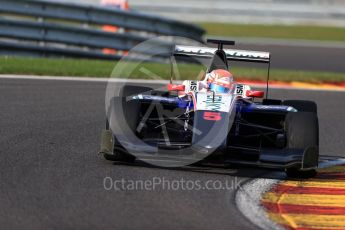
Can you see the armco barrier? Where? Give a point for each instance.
(289, 12)
(78, 25)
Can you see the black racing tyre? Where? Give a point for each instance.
(302, 106)
(120, 156)
(130, 113)
(126, 113)
(300, 174)
(117, 154)
(302, 132)
(110, 157)
(131, 109)
(271, 102)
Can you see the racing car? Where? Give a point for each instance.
(214, 120)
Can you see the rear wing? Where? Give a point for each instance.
(231, 54)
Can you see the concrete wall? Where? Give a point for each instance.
(314, 12)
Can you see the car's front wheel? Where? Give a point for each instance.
(302, 106)
(124, 114)
(302, 132)
(110, 147)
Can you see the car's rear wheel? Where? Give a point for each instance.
(302, 174)
(302, 132)
(302, 106)
(271, 102)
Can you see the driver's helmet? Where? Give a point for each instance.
(220, 81)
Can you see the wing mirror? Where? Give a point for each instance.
(172, 87)
(255, 94)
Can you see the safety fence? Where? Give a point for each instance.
(48, 28)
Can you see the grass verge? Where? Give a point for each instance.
(92, 68)
(318, 33)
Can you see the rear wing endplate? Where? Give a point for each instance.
(231, 54)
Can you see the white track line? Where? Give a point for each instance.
(248, 197)
(248, 201)
(119, 80)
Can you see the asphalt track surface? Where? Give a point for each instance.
(294, 55)
(52, 178)
(302, 57)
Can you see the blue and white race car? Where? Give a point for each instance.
(213, 120)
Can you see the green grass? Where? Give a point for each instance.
(318, 33)
(289, 75)
(92, 68)
(55, 67)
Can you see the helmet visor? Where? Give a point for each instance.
(219, 88)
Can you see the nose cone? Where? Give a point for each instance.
(210, 134)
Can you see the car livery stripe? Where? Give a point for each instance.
(192, 94)
(317, 203)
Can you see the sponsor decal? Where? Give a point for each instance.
(213, 102)
(205, 51)
(212, 116)
(240, 89)
(193, 86)
(210, 102)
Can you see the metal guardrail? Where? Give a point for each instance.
(296, 12)
(12, 49)
(78, 25)
(47, 32)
